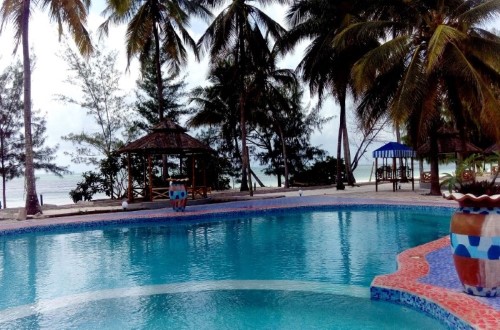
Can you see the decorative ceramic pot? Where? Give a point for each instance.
(178, 196)
(475, 241)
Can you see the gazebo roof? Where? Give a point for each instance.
(166, 138)
(449, 141)
(393, 149)
(493, 148)
(447, 145)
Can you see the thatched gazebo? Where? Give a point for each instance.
(448, 142)
(168, 138)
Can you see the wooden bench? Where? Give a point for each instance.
(163, 192)
(199, 190)
(160, 193)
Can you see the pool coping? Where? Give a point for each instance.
(455, 309)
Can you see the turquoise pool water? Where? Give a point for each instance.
(309, 269)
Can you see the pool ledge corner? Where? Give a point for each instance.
(455, 309)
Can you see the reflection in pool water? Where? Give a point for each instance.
(319, 258)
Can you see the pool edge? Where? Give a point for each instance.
(445, 305)
(455, 309)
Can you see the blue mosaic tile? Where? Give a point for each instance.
(442, 274)
(384, 294)
(420, 304)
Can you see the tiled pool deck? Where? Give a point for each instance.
(425, 280)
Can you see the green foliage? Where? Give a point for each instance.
(147, 104)
(91, 184)
(460, 183)
(321, 172)
(103, 101)
(219, 167)
(12, 141)
(240, 35)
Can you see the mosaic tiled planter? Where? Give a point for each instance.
(178, 196)
(475, 241)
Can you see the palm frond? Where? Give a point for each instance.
(411, 89)
(267, 23)
(441, 38)
(139, 31)
(485, 51)
(483, 93)
(379, 60)
(72, 13)
(482, 13)
(218, 34)
(363, 32)
(11, 11)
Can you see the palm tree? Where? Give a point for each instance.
(233, 32)
(73, 13)
(276, 93)
(217, 106)
(326, 68)
(438, 64)
(156, 26)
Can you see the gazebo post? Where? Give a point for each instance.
(130, 193)
(144, 176)
(376, 178)
(412, 176)
(204, 166)
(150, 174)
(180, 164)
(193, 181)
(394, 175)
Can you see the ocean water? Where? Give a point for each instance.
(363, 173)
(55, 190)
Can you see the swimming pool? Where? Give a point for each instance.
(286, 269)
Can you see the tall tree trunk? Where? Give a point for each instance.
(397, 128)
(4, 194)
(32, 205)
(345, 137)
(340, 184)
(285, 158)
(241, 62)
(244, 154)
(347, 157)
(250, 186)
(434, 160)
(159, 80)
(159, 87)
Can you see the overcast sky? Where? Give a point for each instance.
(48, 78)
